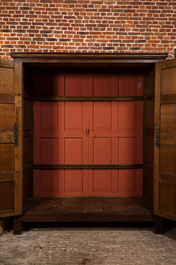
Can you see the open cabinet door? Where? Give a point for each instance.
(10, 138)
(165, 140)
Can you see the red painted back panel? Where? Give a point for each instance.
(88, 133)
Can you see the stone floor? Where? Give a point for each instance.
(87, 245)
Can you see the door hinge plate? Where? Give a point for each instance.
(158, 136)
(15, 135)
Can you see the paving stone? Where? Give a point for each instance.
(88, 246)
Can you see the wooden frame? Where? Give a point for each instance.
(156, 150)
(89, 57)
(11, 170)
(18, 88)
(45, 167)
(87, 98)
(30, 60)
(164, 178)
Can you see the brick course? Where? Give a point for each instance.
(87, 26)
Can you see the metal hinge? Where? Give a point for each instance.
(15, 135)
(158, 136)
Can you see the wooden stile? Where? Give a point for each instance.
(10, 128)
(165, 140)
(7, 150)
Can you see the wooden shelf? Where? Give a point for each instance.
(68, 166)
(87, 209)
(54, 98)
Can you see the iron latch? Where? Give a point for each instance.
(15, 135)
(158, 136)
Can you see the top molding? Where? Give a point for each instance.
(89, 57)
(6, 63)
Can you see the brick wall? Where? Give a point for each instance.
(87, 26)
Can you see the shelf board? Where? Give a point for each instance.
(87, 209)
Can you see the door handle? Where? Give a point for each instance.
(87, 131)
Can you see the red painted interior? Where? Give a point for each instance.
(88, 133)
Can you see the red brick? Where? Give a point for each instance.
(87, 26)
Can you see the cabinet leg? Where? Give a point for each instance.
(17, 225)
(159, 225)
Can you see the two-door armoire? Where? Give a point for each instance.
(88, 138)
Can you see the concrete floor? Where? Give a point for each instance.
(87, 245)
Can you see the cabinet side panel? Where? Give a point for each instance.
(27, 135)
(148, 123)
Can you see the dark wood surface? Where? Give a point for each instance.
(66, 166)
(148, 140)
(144, 57)
(6, 98)
(168, 99)
(17, 224)
(87, 209)
(159, 226)
(162, 188)
(7, 149)
(165, 151)
(27, 149)
(52, 98)
(18, 88)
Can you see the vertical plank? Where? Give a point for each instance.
(36, 109)
(7, 153)
(18, 86)
(86, 128)
(165, 169)
(61, 158)
(148, 142)
(115, 146)
(156, 150)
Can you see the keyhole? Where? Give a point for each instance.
(87, 131)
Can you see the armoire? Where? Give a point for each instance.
(88, 138)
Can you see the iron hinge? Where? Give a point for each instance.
(158, 136)
(15, 135)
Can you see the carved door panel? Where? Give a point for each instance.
(10, 143)
(165, 140)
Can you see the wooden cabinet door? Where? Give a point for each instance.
(10, 139)
(165, 140)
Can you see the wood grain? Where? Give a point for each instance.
(148, 144)
(18, 81)
(87, 209)
(52, 98)
(66, 166)
(7, 151)
(90, 58)
(156, 150)
(165, 169)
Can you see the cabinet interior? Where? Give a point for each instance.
(30, 96)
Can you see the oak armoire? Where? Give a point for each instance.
(88, 138)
